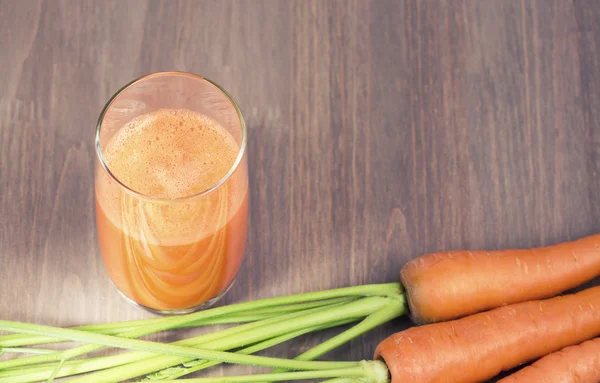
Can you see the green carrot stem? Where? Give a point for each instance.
(317, 317)
(56, 370)
(223, 340)
(197, 365)
(42, 371)
(368, 290)
(161, 324)
(107, 340)
(369, 371)
(247, 351)
(24, 350)
(374, 320)
(158, 324)
(35, 374)
(116, 360)
(303, 306)
(168, 349)
(55, 356)
(282, 376)
(127, 358)
(17, 340)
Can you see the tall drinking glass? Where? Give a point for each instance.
(171, 185)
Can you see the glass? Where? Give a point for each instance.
(171, 186)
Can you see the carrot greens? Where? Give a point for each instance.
(259, 325)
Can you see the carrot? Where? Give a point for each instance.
(444, 286)
(478, 347)
(575, 364)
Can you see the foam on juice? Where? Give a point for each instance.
(171, 154)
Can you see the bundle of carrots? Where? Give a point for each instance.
(480, 312)
(520, 326)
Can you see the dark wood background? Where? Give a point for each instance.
(379, 131)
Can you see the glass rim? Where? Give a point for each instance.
(204, 192)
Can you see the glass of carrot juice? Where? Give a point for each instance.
(171, 186)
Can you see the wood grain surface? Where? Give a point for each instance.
(378, 131)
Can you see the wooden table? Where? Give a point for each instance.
(379, 131)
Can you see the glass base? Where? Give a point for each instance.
(202, 306)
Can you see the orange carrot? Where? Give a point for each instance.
(444, 286)
(575, 364)
(478, 347)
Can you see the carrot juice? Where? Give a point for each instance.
(172, 209)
